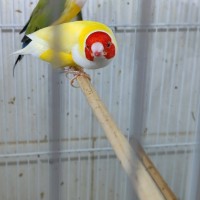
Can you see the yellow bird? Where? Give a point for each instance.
(85, 44)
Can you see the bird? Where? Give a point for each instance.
(82, 44)
(46, 14)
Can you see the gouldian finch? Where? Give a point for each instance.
(46, 14)
(85, 44)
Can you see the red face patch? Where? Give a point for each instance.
(105, 40)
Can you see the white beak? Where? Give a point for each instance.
(97, 49)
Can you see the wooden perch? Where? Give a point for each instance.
(154, 173)
(142, 181)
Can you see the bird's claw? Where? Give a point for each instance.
(76, 74)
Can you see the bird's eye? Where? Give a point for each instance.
(108, 44)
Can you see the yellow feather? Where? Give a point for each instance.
(60, 59)
(70, 11)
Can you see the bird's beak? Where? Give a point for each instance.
(98, 54)
(97, 49)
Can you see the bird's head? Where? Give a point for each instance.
(99, 46)
(96, 48)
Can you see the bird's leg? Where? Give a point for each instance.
(76, 72)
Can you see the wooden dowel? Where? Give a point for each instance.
(154, 173)
(140, 178)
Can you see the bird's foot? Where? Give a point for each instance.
(76, 74)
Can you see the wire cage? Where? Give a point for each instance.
(51, 145)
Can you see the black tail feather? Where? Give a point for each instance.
(18, 59)
(25, 40)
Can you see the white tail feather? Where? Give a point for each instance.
(33, 48)
(18, 52)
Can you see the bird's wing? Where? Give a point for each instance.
(48, 12)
